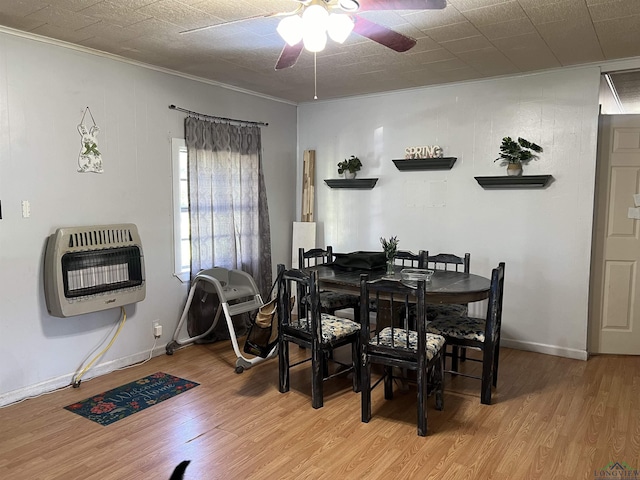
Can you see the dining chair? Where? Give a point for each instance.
(446, 262)
(397, 348)
(478, 333)
(313, 330)
(330, 301)
(441, 261)
(407, 259)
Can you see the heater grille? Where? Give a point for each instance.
(90, 273)
(96, 238)
(88, 269)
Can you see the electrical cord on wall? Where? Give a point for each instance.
(77, 380)
(155, 342)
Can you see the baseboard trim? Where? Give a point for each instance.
(518, 344)
(546, 349)
(108, 367)
(66, 380)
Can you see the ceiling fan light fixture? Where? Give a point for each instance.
(290, 29)
(349, 5)
(315, 17)
(339, 27)
(314, 40)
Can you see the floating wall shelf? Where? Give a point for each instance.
(441, 163)
(505, 181)
(359, 183)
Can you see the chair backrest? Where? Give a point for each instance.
(315, 256)
(448, 261)
(408, 259)
(494, 308)
(400, 298)
(305, 285)
(219, 273)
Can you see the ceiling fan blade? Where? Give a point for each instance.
(382, 35)
(367, 5)
(289, 55)
(231, 22)
(252, 17)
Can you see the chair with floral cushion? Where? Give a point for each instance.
(397, 348)
(479, 333)
(330, 301)
(318, 332)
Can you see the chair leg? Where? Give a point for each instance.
(422, 395)
(356, 313)
(388, 383)
(487, 371)
(318, 362)
(355, 361)
(496, 354)
(455, 352)
(439, 382)
(283, 366)
(325, 363)
(365, 392)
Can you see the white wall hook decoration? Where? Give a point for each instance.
(90, 158)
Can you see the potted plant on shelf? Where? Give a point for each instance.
(349, 167)
(515, 154)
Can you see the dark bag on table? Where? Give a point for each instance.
(360, 260)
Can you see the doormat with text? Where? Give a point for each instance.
(113, 405)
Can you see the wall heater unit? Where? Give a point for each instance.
(88, 269)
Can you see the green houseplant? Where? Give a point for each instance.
(390, 248)
(515, 154)
(349, 166)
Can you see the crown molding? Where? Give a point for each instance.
(118, 58)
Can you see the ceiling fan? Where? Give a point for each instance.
(309, 24)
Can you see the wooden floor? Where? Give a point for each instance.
(552, 418)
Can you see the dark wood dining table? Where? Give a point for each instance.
(444, 286)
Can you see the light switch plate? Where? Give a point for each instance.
(26, 209)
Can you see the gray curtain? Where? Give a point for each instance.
(228, 212)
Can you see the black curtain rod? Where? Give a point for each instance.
(223, 119)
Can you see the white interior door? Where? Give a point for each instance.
(615, 279)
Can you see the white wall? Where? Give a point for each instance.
(44, 89)
(544, 236)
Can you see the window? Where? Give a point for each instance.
(182, 246)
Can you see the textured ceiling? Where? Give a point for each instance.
(627, 90)
(469, 39)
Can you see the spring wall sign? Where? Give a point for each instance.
(427, 151)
